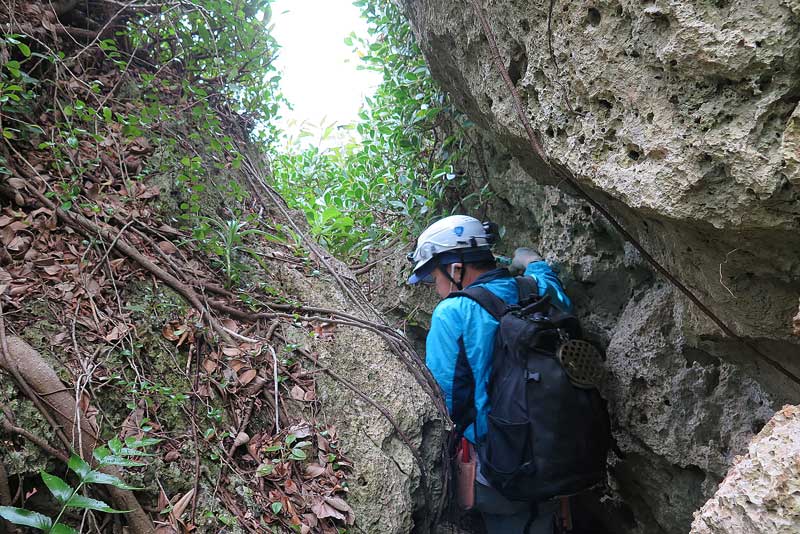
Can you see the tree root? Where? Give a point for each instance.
(5, 500)
(5, 492)
(44, 382)
(396, 342)
(9, 427)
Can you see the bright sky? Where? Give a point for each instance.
(319, 71)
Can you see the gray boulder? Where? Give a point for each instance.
(761, 491)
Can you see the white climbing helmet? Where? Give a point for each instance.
(454, 239)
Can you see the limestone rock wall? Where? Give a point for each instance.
(681, 117)
(387, 490)
(673, 107)
(761, 491)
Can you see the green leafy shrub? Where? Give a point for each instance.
(390, 170)
(115, 453)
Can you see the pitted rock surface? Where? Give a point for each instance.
(680, 117)
(675, 108)
(761, 492)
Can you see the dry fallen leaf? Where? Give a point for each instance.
(236, 365)
(140, 145)
(180, 507)
(149, 192)
(247, 377)
(118, 332)
(163, 501)
(341, 505)
(324, 330)
(231, 351)
(298, 393)
(167, 247)
(322, 510)
(53, 270)
(169, 333)
(300, 430)
(209, 366)
(131, 426)
(310, 519)
(314, 470)
(254, 387)
(241, 439)
(338, 503)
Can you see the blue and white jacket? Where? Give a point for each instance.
(461, 340)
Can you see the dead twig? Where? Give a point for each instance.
(361, 269)
(9, 427)
(275, 381)
(242, 426)
(397, 342)
(271, 330)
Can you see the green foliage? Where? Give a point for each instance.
(227, 239)
(289, 449)
(390, 171)
(18, 90)
(209, 66)
(115, 452)
(226, 49)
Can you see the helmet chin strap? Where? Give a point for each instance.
(453, 281)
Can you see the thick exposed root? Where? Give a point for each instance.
(60, 404)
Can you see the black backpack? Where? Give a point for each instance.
(546, 437)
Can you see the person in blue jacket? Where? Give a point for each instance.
(452, 254)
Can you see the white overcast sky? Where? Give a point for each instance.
(319, 70)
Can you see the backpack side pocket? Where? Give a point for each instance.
(506, 450)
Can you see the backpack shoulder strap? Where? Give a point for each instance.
(485, 298)
(527, 289)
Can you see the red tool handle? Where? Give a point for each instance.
(464, 450)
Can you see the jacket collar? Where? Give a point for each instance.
(490, 276)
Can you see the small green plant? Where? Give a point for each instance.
(290, 449)
(227, 239)
(116, 453)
